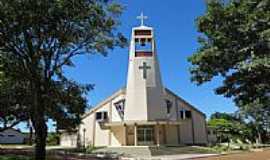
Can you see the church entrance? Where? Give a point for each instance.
(145, 135)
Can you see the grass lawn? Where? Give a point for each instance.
(12, 157)
(17, 157)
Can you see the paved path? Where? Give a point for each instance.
(182, 156)
(158, 153)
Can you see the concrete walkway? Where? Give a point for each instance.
(182, 156)
(171, 157)
(161, 153)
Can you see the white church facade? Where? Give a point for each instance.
(144, 113)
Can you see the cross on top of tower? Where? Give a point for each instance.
(142, 18)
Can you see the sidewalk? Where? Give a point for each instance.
(172, 157)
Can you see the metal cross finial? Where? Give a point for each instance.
(142, 18)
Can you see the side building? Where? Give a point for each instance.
(13, 136)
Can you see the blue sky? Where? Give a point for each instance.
(176, 36)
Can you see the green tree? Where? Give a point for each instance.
(12, 112)
(230, 127)
(223, 128)
(235, 44)
(38, 38)
(53, 139)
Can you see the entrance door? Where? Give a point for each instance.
(145, 135)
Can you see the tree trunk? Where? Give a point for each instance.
(30, 135)
(39, 123)
(40, 139)
(259, 138)
(229, 142)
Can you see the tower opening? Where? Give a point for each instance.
(143, 47)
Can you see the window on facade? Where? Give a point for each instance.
(120, 106)
(101, 116)
(185, 114)
(169, 106)
(188, 114)
(1, 135)
(98, 115)
(182, 114)
(105, 115)
(11, 135)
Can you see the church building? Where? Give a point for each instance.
(144, 113)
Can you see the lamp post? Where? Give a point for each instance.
(84, 130)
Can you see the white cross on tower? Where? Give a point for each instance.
(142, 18)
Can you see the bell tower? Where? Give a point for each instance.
(144, 94)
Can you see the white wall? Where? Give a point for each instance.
(171, 135)
(101, 134)
(68, 140)
(117, 136)
(115, 117)
(186, 128)
(86, 129)
(199, 129)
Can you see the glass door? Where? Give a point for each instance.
(145, 135)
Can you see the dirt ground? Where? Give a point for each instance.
(258, 155)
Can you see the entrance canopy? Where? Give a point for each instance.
(124, 123)
(143, 133)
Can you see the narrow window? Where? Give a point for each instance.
(169, 106)
(105, 115)
(120, 106)
(98, 115)
(188, 114)
(182, 114)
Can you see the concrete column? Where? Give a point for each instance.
(178, 134)
(110, 136)
(135, 135)
(164, 134)
(124, 135)
(157, 135)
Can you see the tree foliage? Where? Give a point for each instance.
(235, 44)
(38, 38)
(230, 126)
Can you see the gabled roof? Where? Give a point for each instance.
(11, 129)
(114, 95)
(184, 101)
(123, 90)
